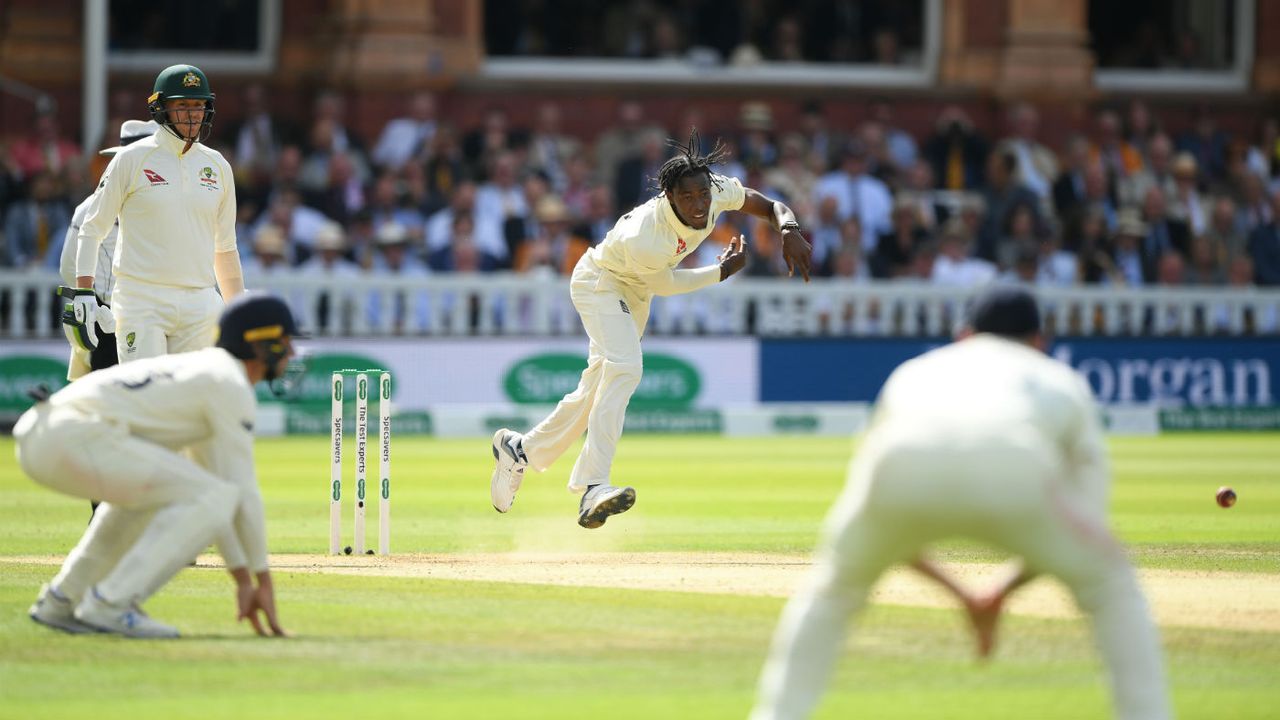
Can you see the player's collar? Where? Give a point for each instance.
(169, 141)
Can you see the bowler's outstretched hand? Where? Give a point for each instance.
(796, 252)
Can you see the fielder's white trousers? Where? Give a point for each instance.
(598, 405)
(903, 494)
(154, 320)
(159, 509)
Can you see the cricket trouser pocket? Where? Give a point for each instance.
(598, 303)
(154, 320)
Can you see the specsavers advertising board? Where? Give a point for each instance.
(466, 386)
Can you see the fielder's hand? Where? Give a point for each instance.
(79, 315)
(984, 616)
(252, 600)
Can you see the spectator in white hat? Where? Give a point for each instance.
(395, 308)
(333, 307)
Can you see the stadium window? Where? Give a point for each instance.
(888, 43)
(223, 36)
(1173, 46)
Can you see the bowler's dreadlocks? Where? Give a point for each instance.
(689, 161)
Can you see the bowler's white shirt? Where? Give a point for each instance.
(639, 255)
(177, 401)
(175, 211)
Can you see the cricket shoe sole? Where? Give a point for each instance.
(608, 501)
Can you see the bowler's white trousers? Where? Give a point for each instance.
(598, 405)
(154, 320)
(159, 509)
(903, 493)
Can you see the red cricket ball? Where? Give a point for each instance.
(1226, 497)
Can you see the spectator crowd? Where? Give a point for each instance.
(1125, 202)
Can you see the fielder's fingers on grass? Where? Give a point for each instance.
(985, 617)
(272, 620)
(255, 622)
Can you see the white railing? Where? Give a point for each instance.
(518, 305)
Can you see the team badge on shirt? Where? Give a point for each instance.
(680, 246)
(208, 178)
(154, 177)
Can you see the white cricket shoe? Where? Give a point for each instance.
(601, 501)
(508, 470)
(55, 610)
(128, 620)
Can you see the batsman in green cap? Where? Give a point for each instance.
(176, 262)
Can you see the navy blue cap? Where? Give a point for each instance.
(251, 318)
(1007, 310)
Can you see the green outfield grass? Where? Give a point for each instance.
(417, 647)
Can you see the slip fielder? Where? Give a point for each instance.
(118, 435)
(986, 438)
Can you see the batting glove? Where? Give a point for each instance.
(79, 315)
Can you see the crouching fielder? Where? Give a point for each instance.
(986, 438)
(118, 435)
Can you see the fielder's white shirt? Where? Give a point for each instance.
(638, 257)
(175, 211)
(989, 387)
(177, 401)
(106, 251)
